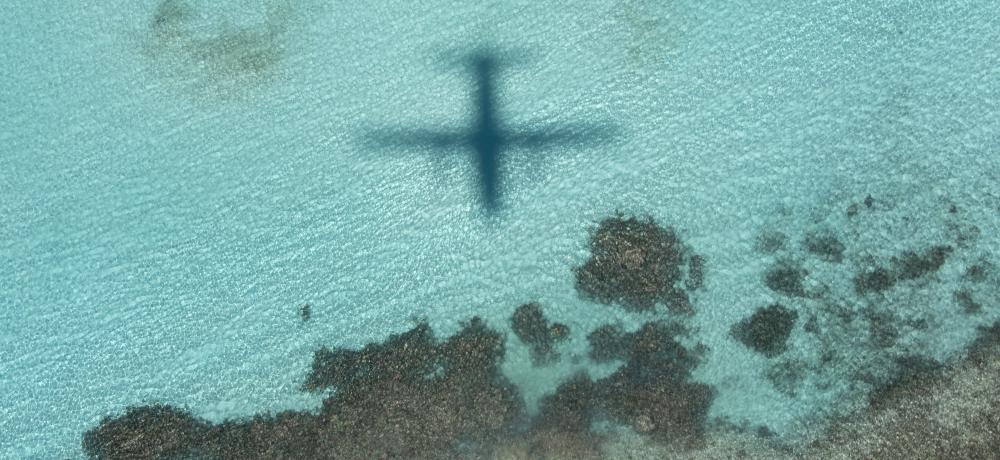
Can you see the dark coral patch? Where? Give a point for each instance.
(977, 273)
(571, 407)
(696, 273)
(911, 265)
(411, 355)
(877, 279)
(770, 241)
(633, 262)
(786, 279)
(965, 300)
(908, 266)
(826, 246)
(530, 325)
(767, 330)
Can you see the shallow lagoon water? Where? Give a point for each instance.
(171, 199)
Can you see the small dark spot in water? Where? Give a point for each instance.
(764, 432)
(811, 326)
(883, 332)
(977, 273)
(869, 201)
(852, 210)
(305, 312)
(786, 376)
(952, 209)
(770, 241)
(826, 246)
(877, 279)
(912, 265)
(964, 300)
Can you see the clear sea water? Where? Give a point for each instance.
(171, 195)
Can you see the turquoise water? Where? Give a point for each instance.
(173, 194)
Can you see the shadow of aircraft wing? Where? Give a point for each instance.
(572, 135)
(394, 139)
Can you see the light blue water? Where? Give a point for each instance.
(167, 209)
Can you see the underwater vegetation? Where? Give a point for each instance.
(637, 264)
(653, 391)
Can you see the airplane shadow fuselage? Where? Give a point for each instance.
(487, 138)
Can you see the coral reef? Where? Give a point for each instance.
(156, 431)
(414, 397)
(410, 397)
(530, 325)
(652, 392)
(607, 343)
(636, 263)
(871, 311)
(876, 308)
